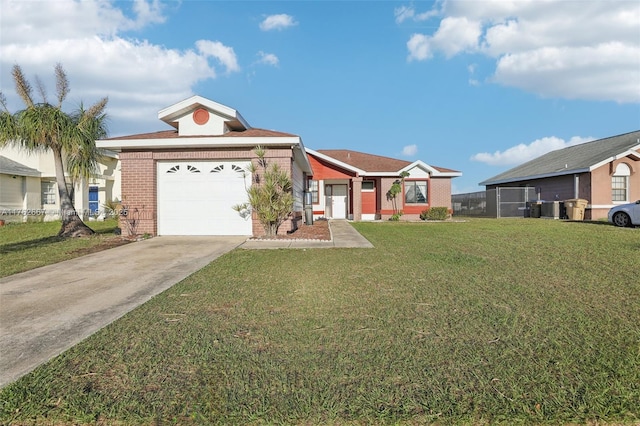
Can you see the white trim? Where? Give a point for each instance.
(432, 171)
(368, 216)
(197, 142)
(633, 152)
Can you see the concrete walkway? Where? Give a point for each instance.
(45, 311)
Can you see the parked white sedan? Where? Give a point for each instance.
(625, 214)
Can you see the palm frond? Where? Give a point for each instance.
(41, 90)
(62, 84)
(22, 85)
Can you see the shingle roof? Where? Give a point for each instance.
(10, 167)
(173, 134)
(573, 159)
(371, 162)
(363, 161)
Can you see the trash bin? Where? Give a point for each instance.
(575, 208)
(308, 208)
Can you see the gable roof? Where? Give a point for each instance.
(574, 159)
(173, 134)
(232, 117)
(10, 167)
(369, 164)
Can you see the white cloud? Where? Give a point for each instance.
(569, 49)
(522, 153)
(404, 13)
(419, 48)
(454, 35)
(268, 59)
(277, 22)
(410, 150)
(224, 54)
(139, 77)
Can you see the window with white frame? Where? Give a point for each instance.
(415, 192)
(368, 185)
(48, 192)
(620, 183)
(313, 189)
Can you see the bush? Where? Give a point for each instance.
(395, 217)
(435, 213)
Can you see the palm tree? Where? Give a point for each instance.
(45, 127)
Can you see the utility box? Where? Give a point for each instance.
(535, 209)
(551, 210)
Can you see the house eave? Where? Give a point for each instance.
(196, 142)
(533, 177)
(430, 169)
(634, 153)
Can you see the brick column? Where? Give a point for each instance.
(356, 191)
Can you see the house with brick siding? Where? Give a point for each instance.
(354, 185)
(187, 179)
(605, 172)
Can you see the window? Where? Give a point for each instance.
(415, 192)
(48, 192)
(313, 189)
(620, 184)
(368, 185)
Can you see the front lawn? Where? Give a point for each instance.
(25, 246)
(487, 321)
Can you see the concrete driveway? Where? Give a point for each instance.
(47, 310)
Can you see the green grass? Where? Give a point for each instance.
(25, 246)
(483, 322)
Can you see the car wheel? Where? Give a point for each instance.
(621, 219)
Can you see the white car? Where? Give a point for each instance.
(625, 214)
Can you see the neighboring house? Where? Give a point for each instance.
(605, 172)
(354, 185)
(186, 180)
(28, 189)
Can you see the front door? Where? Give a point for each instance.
(93, 200)
(336, 201)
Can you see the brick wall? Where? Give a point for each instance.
(138, 174)
(440, 192)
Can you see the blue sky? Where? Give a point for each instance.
(476, 86)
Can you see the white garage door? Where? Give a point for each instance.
(196, 198)
(12, 196)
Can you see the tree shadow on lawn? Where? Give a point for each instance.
(41, 242)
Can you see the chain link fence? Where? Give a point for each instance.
(499, 202)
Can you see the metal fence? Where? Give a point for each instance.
(470, 204)
(499, 202)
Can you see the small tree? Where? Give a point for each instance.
(270, 195)
(392, 194)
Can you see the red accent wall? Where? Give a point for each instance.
(368, 202)
(324, 170)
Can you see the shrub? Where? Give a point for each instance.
(435, 213)
(396, 216)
